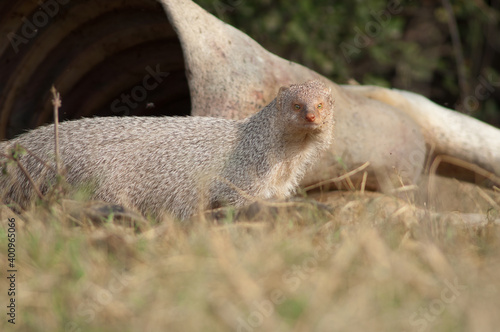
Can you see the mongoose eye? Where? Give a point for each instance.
(320, 106)
(297, 106)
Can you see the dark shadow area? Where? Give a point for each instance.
(106, 59)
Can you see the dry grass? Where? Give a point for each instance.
(373, 263)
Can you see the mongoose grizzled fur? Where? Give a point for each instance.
(182, 164)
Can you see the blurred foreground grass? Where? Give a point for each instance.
(373, 263)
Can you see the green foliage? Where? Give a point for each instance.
(291, 309)
(402, 44)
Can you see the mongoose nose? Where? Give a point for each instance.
(310, 117)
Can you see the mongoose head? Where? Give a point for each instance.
(307, 106)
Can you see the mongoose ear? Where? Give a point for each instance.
(330, 96)
(283, 89)
(281, 93)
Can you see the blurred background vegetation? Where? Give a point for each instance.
(449, 52)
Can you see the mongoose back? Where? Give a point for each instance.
(180, 165)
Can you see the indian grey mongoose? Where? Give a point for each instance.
(180, 165)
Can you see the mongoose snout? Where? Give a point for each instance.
(310, 117)
(181, 165)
